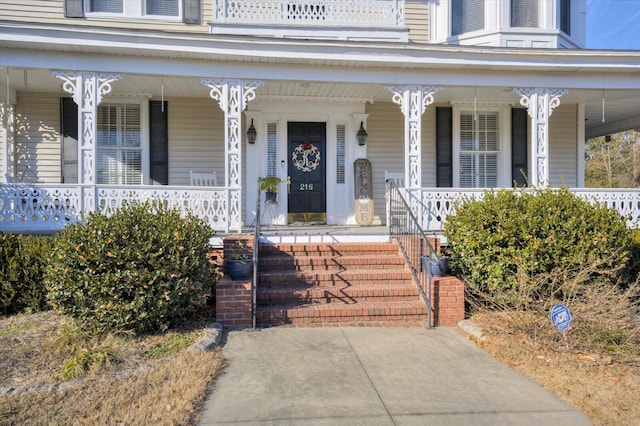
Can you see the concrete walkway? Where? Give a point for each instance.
(374, 376)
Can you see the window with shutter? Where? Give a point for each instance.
(479, 150)
(524, 13)
(466, 16)
(140, 8)
(119, 150)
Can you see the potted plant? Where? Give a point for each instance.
(269, 185)
(239, 266)
(439, 264)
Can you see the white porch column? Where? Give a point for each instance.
(540, 103)
(413, 101)
(87, 89)
(233, 96)
(7, 138)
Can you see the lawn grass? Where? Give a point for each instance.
(154, 379)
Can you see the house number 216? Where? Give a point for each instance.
(306, 187)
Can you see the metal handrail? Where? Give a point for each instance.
(414, 244)
(256, 259)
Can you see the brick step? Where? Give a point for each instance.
(396, 312)
(329, 278)
(322, 249)
(318, 263)
(346, 294)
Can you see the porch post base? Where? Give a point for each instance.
(447, 300)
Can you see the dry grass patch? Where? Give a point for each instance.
(603, 384)
(130, 380)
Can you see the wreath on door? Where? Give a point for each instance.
(306, 157)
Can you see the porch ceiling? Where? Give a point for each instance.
(622, 107)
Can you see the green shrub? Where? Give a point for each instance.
(140, 269)
(512, 239)
(634, 256)
(22, 266)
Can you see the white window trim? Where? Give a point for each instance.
(144, 131)
(498, 25)
(133, 9)
(504, 144)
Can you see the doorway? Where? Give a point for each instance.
(307, 201)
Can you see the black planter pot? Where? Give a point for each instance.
(270, 196)
(239, 269)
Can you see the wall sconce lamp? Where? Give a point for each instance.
(362, 135)
(251, 134)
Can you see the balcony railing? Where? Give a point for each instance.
(323, 13)
(434, 205)
(48, 207)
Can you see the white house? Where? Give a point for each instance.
(102, 101)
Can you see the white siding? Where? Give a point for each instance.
(37, 133)
(563, 146)
(52, 12)
(416, 18)
(196, 139)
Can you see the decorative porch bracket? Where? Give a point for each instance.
(540, 104)
(7, 137)
(413, 101)
(87, 89)
(233, 96)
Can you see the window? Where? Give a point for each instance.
(119, 147)
(466, 16)
(340, 153)
(162, 7)
(565, 16)
(136, 8)
(106, 6)
(272, 144)
(524, 13)
(479, 149)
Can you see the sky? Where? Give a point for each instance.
(613, 24)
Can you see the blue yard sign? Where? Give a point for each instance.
(560, 317)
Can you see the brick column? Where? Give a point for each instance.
(447, 300)
(234, 299)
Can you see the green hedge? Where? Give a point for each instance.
(22, 265)
(513, 237)
(141, 269)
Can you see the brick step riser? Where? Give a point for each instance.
(267, 265)
(330, 282)
(328, 252)
(264, 298)
(262, 301)
(345, 277)
(337, 294)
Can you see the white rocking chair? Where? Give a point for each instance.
(203, 179)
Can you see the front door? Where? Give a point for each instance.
(307, 156)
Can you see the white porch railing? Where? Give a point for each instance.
(49, 207)
(436, 204)
(352, 13)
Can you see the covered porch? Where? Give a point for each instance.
(518, 119)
